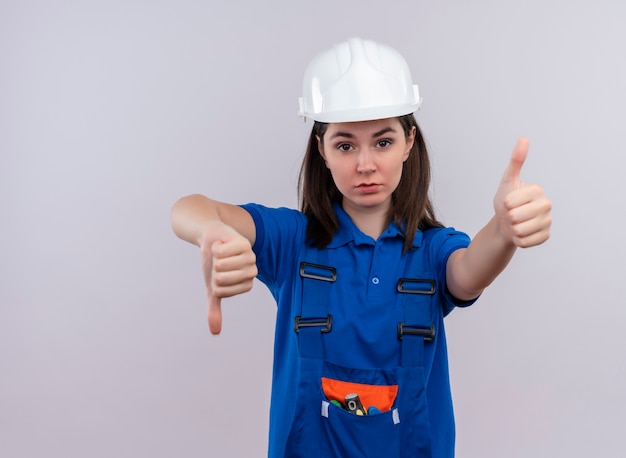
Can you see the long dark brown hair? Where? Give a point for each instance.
(411, 208)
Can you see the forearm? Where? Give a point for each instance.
(192, 215)
(471, 270)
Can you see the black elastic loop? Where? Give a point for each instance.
(320, 270)
(429, 286)
(427, 333)
(326, 325)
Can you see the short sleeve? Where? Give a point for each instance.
(444, 242)
(280, 234)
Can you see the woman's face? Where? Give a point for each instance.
(365, 160)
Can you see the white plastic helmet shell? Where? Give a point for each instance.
(358, 80)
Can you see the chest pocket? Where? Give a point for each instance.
(325, 423)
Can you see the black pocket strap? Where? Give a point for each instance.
(314, 320)
(417, 327)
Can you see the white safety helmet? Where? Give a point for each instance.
(358, 80)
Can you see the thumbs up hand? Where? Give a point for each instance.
(523, 212)
(229, 267)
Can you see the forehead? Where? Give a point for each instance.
(364, 128)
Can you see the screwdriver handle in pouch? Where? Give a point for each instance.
(354, 405)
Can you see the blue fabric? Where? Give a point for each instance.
(365, 307)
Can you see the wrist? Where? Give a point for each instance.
(208, 231)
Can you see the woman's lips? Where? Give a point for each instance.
(368, 188)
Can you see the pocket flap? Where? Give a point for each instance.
(379, 396)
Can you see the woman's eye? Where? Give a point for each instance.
(384, 143)
(344, 147)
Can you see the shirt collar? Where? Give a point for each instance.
(348, 232)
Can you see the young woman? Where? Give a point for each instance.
(364, 274)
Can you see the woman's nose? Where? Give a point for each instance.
(365, 162)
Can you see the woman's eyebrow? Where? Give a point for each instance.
(383, 132)
(341, 134)
(374, 135)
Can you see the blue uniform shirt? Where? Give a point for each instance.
(364, 309)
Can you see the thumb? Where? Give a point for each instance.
(518, 156)
(215, 314)
(214, 302)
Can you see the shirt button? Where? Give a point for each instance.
(375, 280)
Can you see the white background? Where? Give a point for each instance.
(111, 110)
